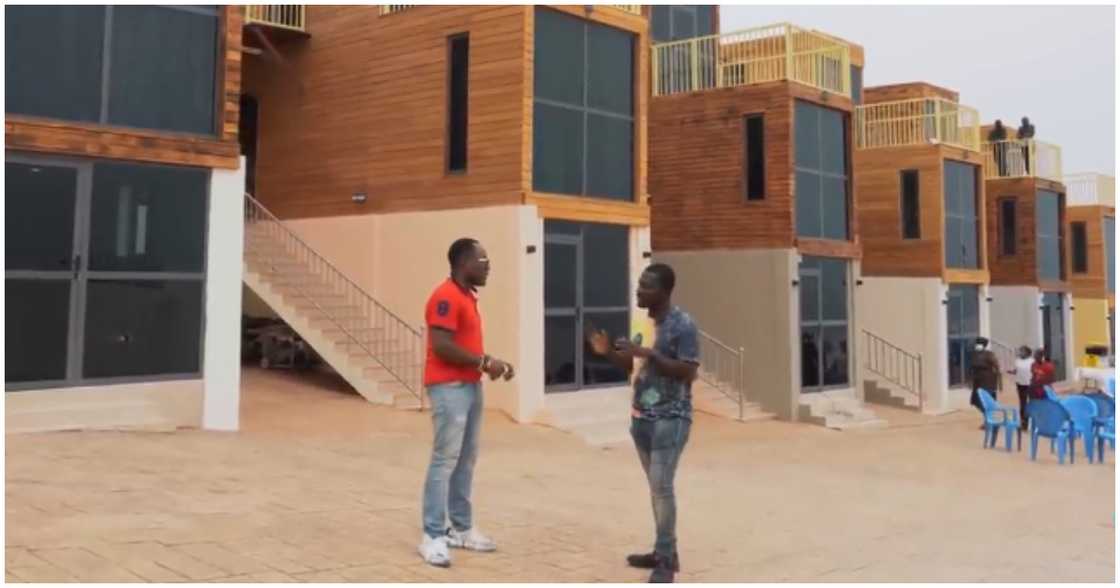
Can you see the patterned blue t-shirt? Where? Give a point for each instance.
(657, 396)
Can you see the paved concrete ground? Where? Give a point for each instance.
(323, 486)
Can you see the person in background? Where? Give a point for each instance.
(1023, 374)
(1042, 373)
(996, 136)
(985, 373)
(1025, 134)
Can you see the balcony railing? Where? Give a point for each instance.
(1090, 189)
(284, 16)
(394, 8)
(753, 56)
(919, 121)
(1022, 158)
(631, 8)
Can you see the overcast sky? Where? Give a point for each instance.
(1056, 65)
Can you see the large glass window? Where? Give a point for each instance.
(583, 108)
(675, 23)
(963, 323)
(112, 65)
(586, 285)
(1048, 235)
(962, 222)
(821, 172)
(824, 288)
(105, 271)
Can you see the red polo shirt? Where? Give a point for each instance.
(454, 309)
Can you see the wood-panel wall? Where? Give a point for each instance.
(58, 137)
(697, 161)
(1021, 268)
(907, 91)
(1091, 284)
(360, 106)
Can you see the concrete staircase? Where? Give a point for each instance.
(707, 398)
(598, 417)
(373, 350)
(878, 391)
(837, 411)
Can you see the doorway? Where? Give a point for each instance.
(104, 271)
(1054, 331)
(962, 315)
(824, 323)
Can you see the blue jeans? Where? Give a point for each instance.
(457, 420)
(660, 443)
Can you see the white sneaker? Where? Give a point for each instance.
(472, 540)
(434, 551)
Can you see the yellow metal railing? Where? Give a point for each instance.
(392, 8)
(1022, 158)
(753, 56)
(284, 16)
(918, 121)
(1090, 189)
(631, 8)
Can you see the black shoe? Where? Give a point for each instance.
(663, 573)
(648, 561)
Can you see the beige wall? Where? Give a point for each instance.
(745, 298)
(400, 258)
(1016, 319)
(149, 406)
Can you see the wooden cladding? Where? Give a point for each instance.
(56, 137)
(697, 156)
(1092, 282)
(363, 108)
(1020, 268)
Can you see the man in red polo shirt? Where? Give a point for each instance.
(452, 376)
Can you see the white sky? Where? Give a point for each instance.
(1056, 65)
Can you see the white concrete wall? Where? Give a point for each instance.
(908, 313)
(221, 365)
(1015, 316)
(746, 298)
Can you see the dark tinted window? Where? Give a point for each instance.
(35, 336)
(459, 50)
(60, 68)
(823, 289)
(606, 276)
(1048, 234)
(857, 84)
(54, 61)
(148, 218)
(1080, 239)
(583, 123)
(754, 166)
(136, 328)
(963, 326)
(820, 155)
(39, 206)
(961, 221)
(676, 23)
(911, 205)
(1008, 227)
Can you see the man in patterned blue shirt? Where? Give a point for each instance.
(662, 406)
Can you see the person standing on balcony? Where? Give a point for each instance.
(1023, 371)
(452, 375)
(985, 373)
(1025, 136)
(996, 137)
(661, 411)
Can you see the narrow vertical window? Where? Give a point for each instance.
(1007, 229)
(911, 205)
(459, 53)
(754, 165)
(1080, 248)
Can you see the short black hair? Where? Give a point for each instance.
(666, 278)
(460, 248)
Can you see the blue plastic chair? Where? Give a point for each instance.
(1106, 432)
(998, 416)
(1051, 420)
(1050, 394)
(1106, 413)
(1112, 386)
(1082, 412)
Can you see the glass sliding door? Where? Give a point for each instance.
(587, 284)
(963, 326)
(824, 323)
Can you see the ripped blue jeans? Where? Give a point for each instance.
(457, 420)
